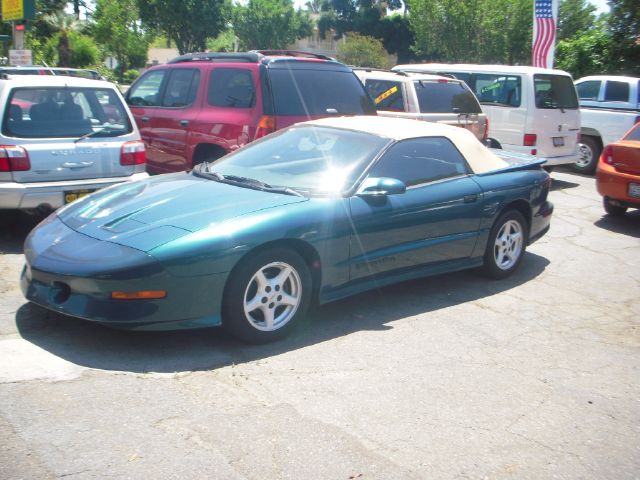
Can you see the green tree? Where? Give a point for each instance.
(188, 23)
(363, 51)
(117, 29)
(624, 25)
(575, 17)
(83, 51)
(63, 24)
(269, 24)
(585, 54)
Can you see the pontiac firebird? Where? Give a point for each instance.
(311, 214)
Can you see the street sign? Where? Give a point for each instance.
(20, 57)
(111, 62)
(18, 10)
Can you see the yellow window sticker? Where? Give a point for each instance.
(386, 94)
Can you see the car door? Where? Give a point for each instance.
(435, 221)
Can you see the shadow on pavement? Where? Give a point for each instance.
(629, 224)
(562, 185)
(91, 345)
(14, 228)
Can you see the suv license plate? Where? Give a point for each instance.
(558, 141)
(72, 195)
(634, 190)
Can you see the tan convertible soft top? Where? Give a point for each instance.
(480, 158)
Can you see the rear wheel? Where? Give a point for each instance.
(588, 154)
(613, 210)
(506, 245)
(266, 296)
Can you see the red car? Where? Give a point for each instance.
(201, 106)
(618, 173)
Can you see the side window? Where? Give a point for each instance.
(386, 94)
(616, 92)
(232, 88)
(588, 90)
(146, 91)
(501, 90)
(181, 87)
(421, 160)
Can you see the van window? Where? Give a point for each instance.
(554, 91)
(181, 87)
(589, 90)
(386, 94)
(231, 88)
(498, 89)
(307, 92)
(616, 92)
(50, 112)
(445, 97)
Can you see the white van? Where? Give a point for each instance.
(531, 110)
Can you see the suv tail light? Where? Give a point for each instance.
(133, 153)
(266, 125)
(530, 139)
(607, 155)
(14, 159)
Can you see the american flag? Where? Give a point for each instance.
(544, 33)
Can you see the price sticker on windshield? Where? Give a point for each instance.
(386, 94)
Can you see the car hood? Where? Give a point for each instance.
(152, 212)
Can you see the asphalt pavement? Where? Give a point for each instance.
(450, 377)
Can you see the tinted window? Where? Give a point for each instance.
(181, 88)
(502, 90)
(421, 160)
(554, 91)
(445, 97)
(588, 90)
(315, 159)
(318, 92)
(231, 87)
(634, 134)
(616, 92)
(146, 91)
(65, 112)
(386, 94)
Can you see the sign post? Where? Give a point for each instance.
(18, 12)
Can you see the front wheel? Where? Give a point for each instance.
(266, 296)
(506, 245)
(588, 155)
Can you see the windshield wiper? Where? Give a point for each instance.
(95, 133)
(203, 171)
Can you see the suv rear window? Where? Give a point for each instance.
(311, 92)
(554, 91)
(231, 87)
(50, 112)
(445, 97)
(386, 94)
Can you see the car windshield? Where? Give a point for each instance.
(49, 112)
(309, 159)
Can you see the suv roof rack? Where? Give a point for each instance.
(246, 57)
(371, 69)
(292, 53)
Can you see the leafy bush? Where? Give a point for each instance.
(129, 76)
(363, 51)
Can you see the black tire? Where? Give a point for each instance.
(589, 153)
(613, 210)
(501, 260)
(252, 325)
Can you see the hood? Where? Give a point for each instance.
(149, 213)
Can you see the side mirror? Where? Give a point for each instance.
(381, 186)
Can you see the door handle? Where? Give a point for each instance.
(144, 119)
(184, 123)
(470, 198)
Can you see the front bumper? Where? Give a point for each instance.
(541, 222)
(24, 196)
(76, 274)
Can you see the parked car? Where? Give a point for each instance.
(199, 107)
(530, 110)
(320, 210)
(431, 98)
(63, 137)
(609, 107)
(43, 70)
(618, 173)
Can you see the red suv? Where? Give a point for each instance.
(200, 106)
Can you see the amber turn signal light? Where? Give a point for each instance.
(141, 295)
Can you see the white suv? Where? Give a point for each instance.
(64, 137)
